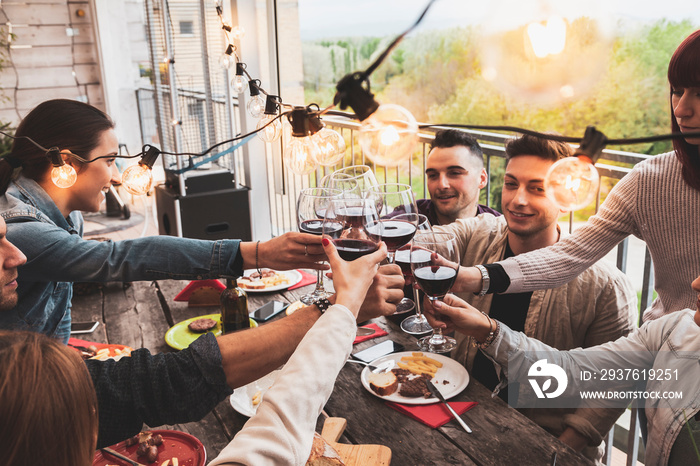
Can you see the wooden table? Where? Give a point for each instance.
(139, 314)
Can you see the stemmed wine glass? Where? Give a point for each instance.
(311, 210)
(415, 324)
(435, 262)
(359, 178)
(399, 215)
(346, 224)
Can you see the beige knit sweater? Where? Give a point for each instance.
(653, 203)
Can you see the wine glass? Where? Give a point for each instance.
(399, 215)
(358, 177)
(435, 262)
(415, 324)
(311, 210)
(346, 224)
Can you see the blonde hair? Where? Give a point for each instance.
(48, 404)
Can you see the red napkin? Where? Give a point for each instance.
(432, 415)
(306, 279)
(378, 332)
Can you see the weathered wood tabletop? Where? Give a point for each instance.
(139, 314)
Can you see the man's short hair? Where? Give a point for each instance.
(453, 137)
(539, 147)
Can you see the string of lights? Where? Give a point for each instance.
(388, 133)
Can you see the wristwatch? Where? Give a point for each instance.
(323, 305)
(485, 280)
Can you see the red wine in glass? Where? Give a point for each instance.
(315, 227)
(395, 233)
(351, 249)
(435, 281)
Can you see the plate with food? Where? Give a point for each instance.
(405, 383)
(100, 351)
(182, 334)
(268, 280)
(159, 447)
(246, 399)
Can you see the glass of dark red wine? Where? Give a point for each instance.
(435, 262)
(398, 215)
(416, 324)
(346, 224)
(311, 210)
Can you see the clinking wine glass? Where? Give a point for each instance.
(311, 210)
(435, 262)
(346, 222)
(416, 324)
(398, 215)
(358, 178)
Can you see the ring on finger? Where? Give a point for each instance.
(306, 250)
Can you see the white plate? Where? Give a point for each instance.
(294, 277)
(451, 370)
(242, 397)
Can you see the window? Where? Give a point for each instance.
(186, 28)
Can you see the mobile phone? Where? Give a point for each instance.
(268, 310)
(83, 327)
(378, 350)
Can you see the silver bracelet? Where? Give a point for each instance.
(493, 331)
(485, 280)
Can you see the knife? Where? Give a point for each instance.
(436, 393)
(120, 456)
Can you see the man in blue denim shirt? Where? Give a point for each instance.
(57, 255)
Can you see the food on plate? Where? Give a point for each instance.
(257, 398)
(420, 364)
(147, 445)
(172, 461)
(383, 384)
(323, 454)
(201, 325)
(104, 354)
(260, 281)
(414, 388)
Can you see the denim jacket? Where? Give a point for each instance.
(669, 342)
(57, 255)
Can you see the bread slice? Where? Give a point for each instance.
(383, 384)
(323, 454)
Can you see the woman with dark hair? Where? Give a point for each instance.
(45, 223)
(658, 201)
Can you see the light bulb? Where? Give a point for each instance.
(137, 179)
(272, 131)
(256, 106)
(239, 83)
(389, 136)
(238, 32)
(64, 176)
(331, 145)
(572, 182)
(300, 155)
(547, 52)
(226, 60)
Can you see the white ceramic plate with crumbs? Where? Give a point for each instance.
(450, 379)
(243, 398)
(288, 278)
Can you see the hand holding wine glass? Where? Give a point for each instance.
(311, 210)
(435, 262)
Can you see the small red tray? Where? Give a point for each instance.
(188, 450)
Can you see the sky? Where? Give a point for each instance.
(339, 18)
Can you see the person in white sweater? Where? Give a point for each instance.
(657, 201)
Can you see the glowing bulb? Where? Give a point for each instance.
(64, 176)
(572, 182)
(137, 179)
(272, 131)
(549, 38)
(389, 136)
(239, 83)
(256, 106)
(300, 155)
(238, 32)
(226, 60)
(331, 145)
(547, 52)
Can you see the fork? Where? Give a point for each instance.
(383, 367)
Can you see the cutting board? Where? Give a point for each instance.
(354, 455)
